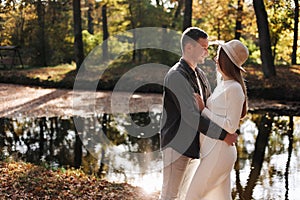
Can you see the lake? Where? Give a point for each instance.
(125, 148)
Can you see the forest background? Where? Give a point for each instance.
(55, 36)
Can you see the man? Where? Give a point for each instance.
(181, 121)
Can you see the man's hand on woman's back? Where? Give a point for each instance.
(231, 138)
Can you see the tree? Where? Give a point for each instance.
(280, 25)
(105, 33)
(264, 39)
(79, 129)
(218, 18)
(177, 14)
(137, 9)
(135, 22)
(90, 17)
(41, 33)
(187, 19)
(265, 128)
(238, 24)
(78, 44)
(296, 21)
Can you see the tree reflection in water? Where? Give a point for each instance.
(267, 170)
(125, 147)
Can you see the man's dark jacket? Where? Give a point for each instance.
(181, 120)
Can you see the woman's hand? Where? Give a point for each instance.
(199, 101)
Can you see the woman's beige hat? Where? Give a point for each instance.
(236, 51)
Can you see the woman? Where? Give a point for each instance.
(226, 106)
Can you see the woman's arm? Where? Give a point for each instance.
(234, 100)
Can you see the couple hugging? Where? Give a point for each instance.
(199, 124)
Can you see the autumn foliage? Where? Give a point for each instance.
(21, 180)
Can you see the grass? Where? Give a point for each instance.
(55, 74)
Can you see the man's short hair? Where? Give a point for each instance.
(192, 34)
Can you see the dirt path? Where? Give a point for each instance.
(17, 101)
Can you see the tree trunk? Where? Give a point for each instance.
(264, 39)
(79, 128)
(139, 51)
(22, 23)
(2, 134)
(265, 126)
(101, 172)
(187, 20)
(290, 150)
(78, 44)
(177, 13)
(157, 3)
(105, 33)
(41, 141)
(77, 151)
(41, 22)
(104, 125)
(238, 24)
(51, 140)
(296, 22)
(90, 19)
(133, 26)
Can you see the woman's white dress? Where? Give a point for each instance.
(212, 178)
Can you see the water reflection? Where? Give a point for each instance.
(125, 147)
(268, 168)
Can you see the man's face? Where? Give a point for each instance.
(200, 50)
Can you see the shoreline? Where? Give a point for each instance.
(32, 101)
